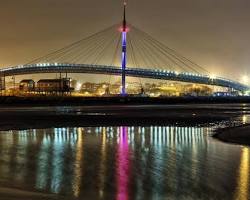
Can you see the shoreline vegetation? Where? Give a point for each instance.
(236, 135)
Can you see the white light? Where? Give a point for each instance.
(78, 86)
(245, 79)
(212, 76)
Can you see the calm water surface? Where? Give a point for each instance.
(151, 162)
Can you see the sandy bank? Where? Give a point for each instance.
(115, 100)
(239, 135)
(16, 194)
(49, 117)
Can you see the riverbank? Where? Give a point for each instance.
(27, 117)
(16, 194)
(72, 160)
(237, 135)
(115, 100)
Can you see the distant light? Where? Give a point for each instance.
(212, 76)
(245, 79)
(126, 30)
(78, 86)
(244, 119)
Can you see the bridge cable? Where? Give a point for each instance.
(173, 53)
(133, 58)
(115, 55)
(87, 51)
(149, 43)
(88, 54)
(165, 55)
(83, 53)
(71, 45)
(150, 53)
(105, 48)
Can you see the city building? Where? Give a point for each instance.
(97, 88)
(54, 85)
(27, 85)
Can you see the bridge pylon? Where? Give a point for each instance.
(124, 50)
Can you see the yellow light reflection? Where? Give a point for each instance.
(243, 179)
(78, 161)
(103, 163)
(244, 119)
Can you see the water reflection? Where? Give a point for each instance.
(78, 163)
(123, 168)
(245, 119)
(102, 171)
(242, 192)
(125, 163)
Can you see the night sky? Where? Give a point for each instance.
(213, 33)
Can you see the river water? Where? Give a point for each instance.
(126, 162)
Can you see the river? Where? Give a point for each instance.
(127, 162)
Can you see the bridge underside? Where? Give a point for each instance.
(112, 70)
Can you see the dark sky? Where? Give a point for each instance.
(213, 33)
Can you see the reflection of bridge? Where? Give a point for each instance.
(126, 148)
(112, 70)
(157, 136)
(144, 56)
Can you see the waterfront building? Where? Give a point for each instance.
(27, 85)
(54, 85)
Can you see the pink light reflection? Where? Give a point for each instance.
(123, 168)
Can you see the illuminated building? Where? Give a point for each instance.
(54, 85)
(27, 85)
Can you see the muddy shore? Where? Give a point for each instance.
(20, 118)
(236, 135)
(115, 100)
(16, 194)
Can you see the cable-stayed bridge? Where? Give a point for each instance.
(123, 51)
(112, 70)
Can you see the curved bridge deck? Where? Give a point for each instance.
(112, 70)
